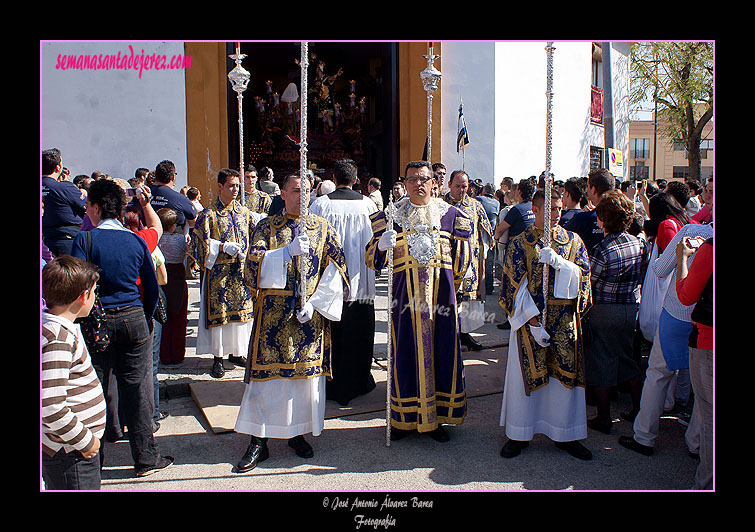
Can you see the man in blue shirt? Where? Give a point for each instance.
(585, 224)
(520, 215)
(64, 206)
(163, 195)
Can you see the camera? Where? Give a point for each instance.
(131, 192)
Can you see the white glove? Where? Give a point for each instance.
(540, 336)
(387, 241)
(231, 248)
(551, 258)
(306, 313)
(299, 245)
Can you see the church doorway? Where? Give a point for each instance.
(352, 108)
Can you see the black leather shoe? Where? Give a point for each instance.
(440, 434)
(256, 452)
(601, 425)
(513, 448)
(238, 360)
(629, 416)
(302, 448)
(631, 443)
(217, 368)
(503, 326)
(576, 449)
(471, 343)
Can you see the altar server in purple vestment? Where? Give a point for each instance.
(430, 259)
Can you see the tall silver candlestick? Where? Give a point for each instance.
(549, 48)
(239, 78)
(303, 204)
(430, 79)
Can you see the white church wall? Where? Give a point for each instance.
(114, 120)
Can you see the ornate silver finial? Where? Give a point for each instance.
(239, 78)
(430, 80)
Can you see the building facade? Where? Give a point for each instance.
(128, 112)
(654, 155)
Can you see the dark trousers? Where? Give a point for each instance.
(173, 340)
(352, 344)
(128, 359)
(71, 471)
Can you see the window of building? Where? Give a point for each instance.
(639, 149)
(639, 171)
(681, 172)
(596, 157)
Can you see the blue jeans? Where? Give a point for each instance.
(71, 471)
(129, 358)
(157, 329)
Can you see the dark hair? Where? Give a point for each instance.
(418, 164)
(575, 190)
(601, 180)
(264, 173)
(97, 175)
(488, 189)
(65, 278)
(538, 198)
(168, 217)
(660, 207)
(526, 188)
(192, 193)
(141, 173)
(345, 172)
(131, 220)
(695, 187)
(459, 172)
(438, 165)
(225, 173)
(250, 168)
(616, 211)
(109, 196)
(680, 191)
(164, 171)
(50, 160)
(375, 182)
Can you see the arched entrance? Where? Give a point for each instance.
(352, 107)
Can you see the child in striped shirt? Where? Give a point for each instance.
(73, 405)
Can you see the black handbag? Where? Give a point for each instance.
(94, 326)
(161, 313)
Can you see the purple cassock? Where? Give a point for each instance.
(429, 262)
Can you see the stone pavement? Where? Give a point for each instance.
(351, 453)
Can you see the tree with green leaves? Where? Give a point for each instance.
(678, 78)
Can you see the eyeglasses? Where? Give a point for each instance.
(416, 179)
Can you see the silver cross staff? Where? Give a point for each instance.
(239, 78)
(548, 175)
(389, 215)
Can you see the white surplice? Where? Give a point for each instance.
(553, 410)
(284, 408)
(351, 220)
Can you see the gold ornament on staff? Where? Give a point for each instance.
(548, 175)
(389, 215)
(303, 171)
(239, 78)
